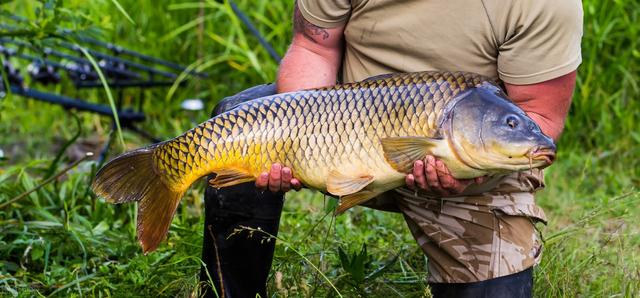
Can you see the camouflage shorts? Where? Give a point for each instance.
(487, 232)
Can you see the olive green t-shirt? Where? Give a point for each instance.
(517, 41)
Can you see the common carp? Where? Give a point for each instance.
(353, 141)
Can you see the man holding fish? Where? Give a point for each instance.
(479, 233)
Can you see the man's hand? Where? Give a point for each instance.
(433, 176)
(279, 178)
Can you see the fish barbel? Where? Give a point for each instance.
(353, 141)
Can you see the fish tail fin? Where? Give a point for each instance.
(134, 176)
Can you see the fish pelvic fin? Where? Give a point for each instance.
(230, 177)
(348, 201)
(339, 184)
(402, 152)
(133, 177)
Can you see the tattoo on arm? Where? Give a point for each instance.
(307, 29)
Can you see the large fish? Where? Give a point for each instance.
(353, 141)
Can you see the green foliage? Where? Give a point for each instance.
(44, 19)
(605, 112)
(357, 265)
(61, 241)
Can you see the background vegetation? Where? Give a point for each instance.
(62, 241)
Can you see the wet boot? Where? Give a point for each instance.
(518, 285)
(237, 264)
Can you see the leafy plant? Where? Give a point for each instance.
(358, 265)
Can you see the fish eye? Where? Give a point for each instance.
(512, 122)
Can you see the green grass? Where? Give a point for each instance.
(61, 241)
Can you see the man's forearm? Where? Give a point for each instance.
(547, 103)
(313, 58)
(303, 68)
(312, 61)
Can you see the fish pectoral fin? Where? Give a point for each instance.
(402, 152)
(348, 201)
(339, 184)
(230, 177)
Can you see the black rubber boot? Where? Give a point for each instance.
(518, 285)
(238, 266)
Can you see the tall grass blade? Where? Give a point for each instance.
(107, 90)
(124, 12)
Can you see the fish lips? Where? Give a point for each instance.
(546, 154)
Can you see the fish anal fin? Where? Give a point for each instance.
(339, 184)
(230, 177)
(348, 201)
(402, 152)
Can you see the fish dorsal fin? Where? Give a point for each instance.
(402, 152)
(354, 199)
(340, 184)
(230, 177)
(380, 77)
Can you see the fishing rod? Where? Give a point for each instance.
(120, 50)
(116, 50)
(45, 63)
(82, 73)
(47, 51)
(50, 76)
(126, 116)
(115, 59)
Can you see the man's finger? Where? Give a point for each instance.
(419, 175)
(410, 181)
(285, 185)
(432, 176)
(295, 184)
(452, 185)
(461, 186)
(444, 176)
(275, 177)
(263, 180)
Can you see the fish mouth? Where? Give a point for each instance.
(545, 154)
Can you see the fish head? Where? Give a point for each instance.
(488, 133)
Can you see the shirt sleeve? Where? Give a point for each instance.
(325, 13)
(541, 41)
